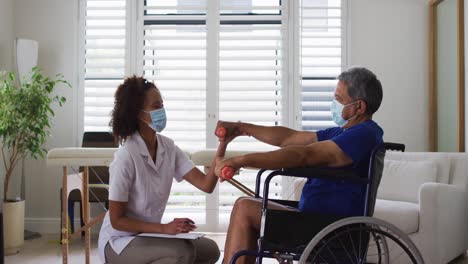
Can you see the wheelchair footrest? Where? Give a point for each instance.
(284, 258)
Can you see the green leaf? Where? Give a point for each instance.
(26, 111)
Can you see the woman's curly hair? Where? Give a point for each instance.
(128, 102)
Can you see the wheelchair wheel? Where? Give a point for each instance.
(361, 240)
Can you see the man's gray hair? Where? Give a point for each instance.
(362, 84)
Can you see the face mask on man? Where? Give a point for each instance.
(158, 119)
(337, 111)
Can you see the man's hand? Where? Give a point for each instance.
(223, 162)
(233, 130)
(179, 225)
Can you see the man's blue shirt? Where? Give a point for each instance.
(338, 197)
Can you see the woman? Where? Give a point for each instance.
(141, 176)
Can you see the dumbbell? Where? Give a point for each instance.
(221, 132)
(227, 172)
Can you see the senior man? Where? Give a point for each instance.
(357, 97)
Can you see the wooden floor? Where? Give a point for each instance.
(47, 250)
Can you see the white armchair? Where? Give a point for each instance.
(437, 219)
(425, 195)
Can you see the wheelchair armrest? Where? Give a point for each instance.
(257, 183)
(294, 204)
(323, 172)
(394, 146)
(338, 174)
(330, 173)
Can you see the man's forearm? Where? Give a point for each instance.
(289, 157)
(273, 135)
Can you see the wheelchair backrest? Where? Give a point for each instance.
(375, 173)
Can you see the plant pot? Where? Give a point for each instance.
(13, 226)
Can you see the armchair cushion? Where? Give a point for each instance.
(441, 160)
(401, 179)
(403, 215)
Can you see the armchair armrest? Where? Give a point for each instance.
(443, 216)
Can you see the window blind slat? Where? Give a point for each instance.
(175, 18)
(103, 76)
(117, 18)
(175, 47)
(105, 37)
(174, 77)
(252, 47)
(104, 47)
(104, 65)
(176, 68)
(172, 27)
(249, 58)
(171, 37)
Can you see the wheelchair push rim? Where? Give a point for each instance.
(322, 250)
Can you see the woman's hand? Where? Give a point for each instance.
(179, 225)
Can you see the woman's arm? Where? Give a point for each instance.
(207, 182)
(120, 221)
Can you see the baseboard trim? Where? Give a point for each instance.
(51, 225)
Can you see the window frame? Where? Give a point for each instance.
(291, 81)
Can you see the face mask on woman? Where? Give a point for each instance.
(158, 119)
(337, 111)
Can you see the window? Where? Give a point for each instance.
(104, 59)
(197, 86)
(226, 59)
(244, 67)
(251, 52)
(321, 35)
(175, 57)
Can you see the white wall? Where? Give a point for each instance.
(53, 23)
(6, 35)
(466, 74)
(390, 37)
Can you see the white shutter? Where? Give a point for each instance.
(174, 35)
(251, 65)
(250, 75)
(104, 59)
(250, 80)
(170, 46)
(174, 57)
(321, 60)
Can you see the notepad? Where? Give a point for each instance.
(180, 236)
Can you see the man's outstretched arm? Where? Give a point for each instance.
(274, 135)
(324, 153)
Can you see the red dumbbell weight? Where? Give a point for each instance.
(227, 172)
(221, 132)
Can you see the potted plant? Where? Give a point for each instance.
(25, 112)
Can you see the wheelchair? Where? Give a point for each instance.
(319, 238)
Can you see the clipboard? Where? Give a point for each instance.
(190, 236)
